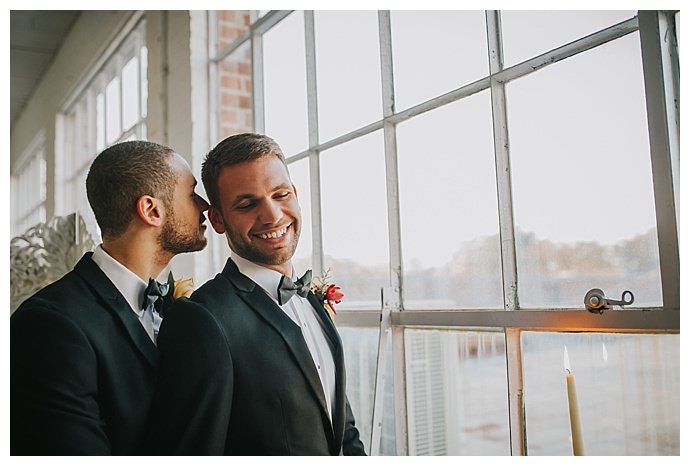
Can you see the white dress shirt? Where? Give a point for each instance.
(130, 286)
(302, 314)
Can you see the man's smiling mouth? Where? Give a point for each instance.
(273, 235)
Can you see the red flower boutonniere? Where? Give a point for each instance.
(328, 293)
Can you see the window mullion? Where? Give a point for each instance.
(258, 81)
(502, 155)
(661, 132)
(392, 297)
(313, 135)
(507, 236)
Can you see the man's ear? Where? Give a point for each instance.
(216, 219)
(150, 210)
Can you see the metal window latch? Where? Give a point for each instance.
(596, 301)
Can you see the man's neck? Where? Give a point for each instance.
(142, 258)
(284, 268)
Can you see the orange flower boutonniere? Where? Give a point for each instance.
(183, 287)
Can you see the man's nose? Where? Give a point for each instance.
(270, 212)
(202, 203)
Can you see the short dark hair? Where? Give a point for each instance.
(120, 175)
(232, 150)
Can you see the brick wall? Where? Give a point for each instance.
(234, 75)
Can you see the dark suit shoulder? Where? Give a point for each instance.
(70, 296)
(83, 299)
(215, 293)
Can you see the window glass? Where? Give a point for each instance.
(100, 122)
(582, 180)
(528, 33)
(361, 351)
(299, 173)
(435, 52)
(29, 193)
(130, 93)
(456, 393)
(355, 223)
(627, 389)
(285, 89)
(348, 71)
(113, 126)
(448, 208)
(143, 77)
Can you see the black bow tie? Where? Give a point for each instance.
(287, 288)
(156, 294)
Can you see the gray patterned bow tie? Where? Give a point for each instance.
(287, 288)
(157, 294)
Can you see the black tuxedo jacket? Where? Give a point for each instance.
(82, 371)
(236, 378)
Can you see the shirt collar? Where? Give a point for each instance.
(127, 282)
(266, 278)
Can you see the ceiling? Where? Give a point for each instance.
(35, 38)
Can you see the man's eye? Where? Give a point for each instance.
(283, 195)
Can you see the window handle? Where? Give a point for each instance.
(596, 300)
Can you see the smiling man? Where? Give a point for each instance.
(255, 363)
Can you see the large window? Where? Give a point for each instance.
(110, 108)
(468, 177)
(28, 188)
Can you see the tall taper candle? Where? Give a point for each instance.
(573, 408)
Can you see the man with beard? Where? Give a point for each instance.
(83, 349)
(246, 369)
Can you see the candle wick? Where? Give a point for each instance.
(569, 372)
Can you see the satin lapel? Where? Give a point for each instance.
(326, 321)
(339, 360)
(116, 304)
(257, 299)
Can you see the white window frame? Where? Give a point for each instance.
(661, 76)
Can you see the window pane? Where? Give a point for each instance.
(449, 213)
(144, 60)
(348, 71)
(285, 91)
(130, 94)
(530, 33)
(299, 172)
(582, 180)
(628, 393)
(361, 350)
(456, 393)
(112, 108)
(355, 224)
(28, 198)
(100, 122)
(447, 48)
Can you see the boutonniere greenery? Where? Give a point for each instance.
(328, 293)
